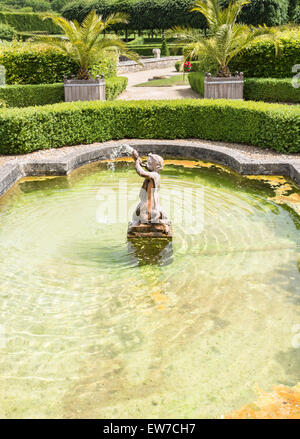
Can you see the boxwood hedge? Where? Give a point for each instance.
(271, 90)
(31, 64)
(29, 21)
(43, 94)
(264, 125)
(261, 61)
(196, 80)
(257, 89)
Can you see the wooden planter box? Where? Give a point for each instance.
(84, 90)
(224, 88)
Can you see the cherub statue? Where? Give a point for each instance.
(149, 210)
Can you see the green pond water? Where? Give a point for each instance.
(93, 327)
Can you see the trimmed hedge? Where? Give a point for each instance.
(27, 95)
(147, 49)
(256, 89)
(29, 64)
(271, 90)
(29, 21)
(144, 14)
(32, 65)
(196, 80)
(269, 12)
(44, 94)
(53, 126)
(115, 86)
(7, 32)
(164, 14)
(260, 60)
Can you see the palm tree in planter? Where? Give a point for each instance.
(225, 38)
(86, 44)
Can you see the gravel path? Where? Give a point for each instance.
(133, 93)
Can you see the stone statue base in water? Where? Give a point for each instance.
(149, 231)
(149, 220)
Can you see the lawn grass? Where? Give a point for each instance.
(169, 82)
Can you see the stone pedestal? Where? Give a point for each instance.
(162, 231)
(156, 53)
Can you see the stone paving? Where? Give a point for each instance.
(133, 93)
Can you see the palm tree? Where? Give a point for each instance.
(225, 37)
(85, 42)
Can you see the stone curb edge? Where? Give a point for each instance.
(12, 171)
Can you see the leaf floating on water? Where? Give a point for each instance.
(282, 403)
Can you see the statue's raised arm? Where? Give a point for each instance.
(139, 167)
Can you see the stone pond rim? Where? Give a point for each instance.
(236, 160)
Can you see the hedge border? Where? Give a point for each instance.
(29, 64)
(46, 94)
(264, 125)
(256, 89)
(271, 90)
(238, 161)
(28, 21)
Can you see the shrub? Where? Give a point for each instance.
(164, 49)
(115, 86)
(196, 81)
(43, 94)
(38, 5)
(26, 5)
(33, 65)
(260, 60)
(257, 89)
(144, 14)
(7, 32)
(27, 95)
(58, 5)
(164, 14)
(269, 12)
(29, 64)
(265, 125)
(271, 90)
(3, 103)
(107, 67)
(145, 50)
(293, 4)
(28, 21)
(296, 16)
